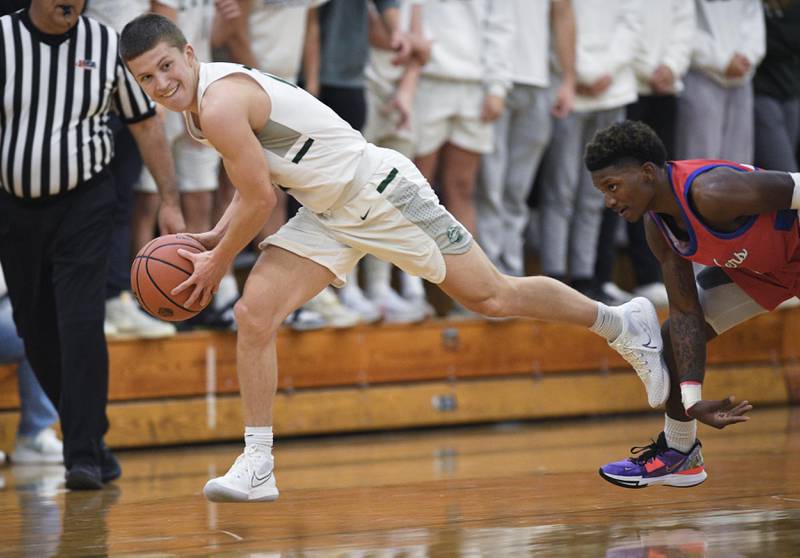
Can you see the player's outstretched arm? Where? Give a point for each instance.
(687, 325)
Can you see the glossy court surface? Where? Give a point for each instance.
(528, 489)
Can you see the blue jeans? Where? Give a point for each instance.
(36, 410)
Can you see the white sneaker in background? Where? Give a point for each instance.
(250, 479)
(793, 302)
(109, 329)
(421, 304)
(225, 298)
(124, 314)
(615, 295)
(336, 315)
(353, 298)
(654, 292)
(640, 344)
(394, 308)
(303, 319)
(44, 447)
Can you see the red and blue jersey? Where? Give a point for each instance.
(762, 256)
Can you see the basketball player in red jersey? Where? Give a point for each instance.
(740, 225)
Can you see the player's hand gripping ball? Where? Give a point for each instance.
(157, 269)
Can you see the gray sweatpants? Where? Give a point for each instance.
(777, 133)
(572, 207)
(506, 176)
(714, 122)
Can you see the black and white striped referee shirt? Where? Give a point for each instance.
(57, 92)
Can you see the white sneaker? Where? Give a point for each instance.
(793, 302)
(109, 329)
(353, 298)
(303, 319)
(44, 447)
(421, 304)
(250, 479)
(336, 315)
(394, 308)
(131, 321)
(654, 292)
(615, 294)
(640, 344)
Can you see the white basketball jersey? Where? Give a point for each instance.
(311, 152)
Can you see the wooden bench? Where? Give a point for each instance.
(184, 389)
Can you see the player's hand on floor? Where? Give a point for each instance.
(720, 413)
(204, 279)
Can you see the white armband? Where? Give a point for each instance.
(796, 194)
(690, 393)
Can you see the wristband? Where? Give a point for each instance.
(690, 393)
(796, 194)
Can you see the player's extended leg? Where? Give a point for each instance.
(474, 282)
(675, 459)
(631, 329)
(279, 283)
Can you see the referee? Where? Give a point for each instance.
(60, 77)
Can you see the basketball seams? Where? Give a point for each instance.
(139, 297)
(156, 285)
(166, 262)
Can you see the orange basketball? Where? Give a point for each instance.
(157, 269)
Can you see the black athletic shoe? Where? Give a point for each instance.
(83, 476)
(109, 466)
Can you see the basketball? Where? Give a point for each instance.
(157, 269)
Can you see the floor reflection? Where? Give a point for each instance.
(530, 490)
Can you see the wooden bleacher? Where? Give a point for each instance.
(184, 389)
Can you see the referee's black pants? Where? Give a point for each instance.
(55, 256)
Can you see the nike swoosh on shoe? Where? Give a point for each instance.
(260, 480)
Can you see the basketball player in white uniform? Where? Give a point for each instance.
(357, 199)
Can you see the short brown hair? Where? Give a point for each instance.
(145, 32)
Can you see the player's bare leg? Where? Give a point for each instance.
(631, 329)
(474, 282)
(279, 283)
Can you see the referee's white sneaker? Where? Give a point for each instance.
(641, 345)
(250, 479)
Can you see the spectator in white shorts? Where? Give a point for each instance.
(522, 133)
(462, 91)
(281, 38)
(195, 164)
(124, 317)
(390, 90)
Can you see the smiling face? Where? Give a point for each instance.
(628, 189)
(168, 75)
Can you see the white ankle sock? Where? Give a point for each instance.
(608, 323)
(352, 282)
(259, 437)
(680, 435)
(411, 286)
(378, 274)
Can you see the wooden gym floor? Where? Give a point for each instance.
(522, 489)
